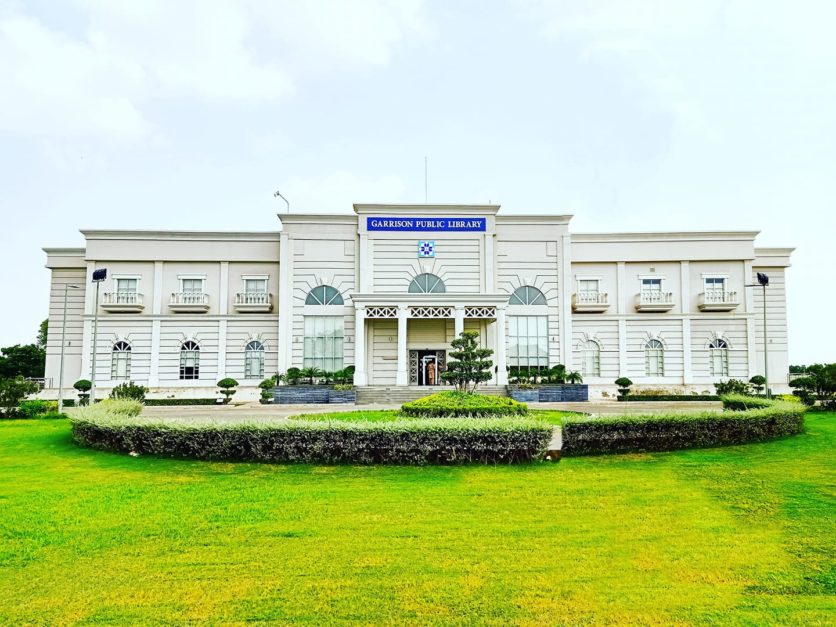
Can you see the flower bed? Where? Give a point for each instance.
(666, 432)
(451, 404)
(407, 441)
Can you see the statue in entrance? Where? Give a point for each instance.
(431, 373)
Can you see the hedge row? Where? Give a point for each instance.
(409, 441)
(742, 402)
(628, 434)
(156, 402)
(669, 397)
(458, 404)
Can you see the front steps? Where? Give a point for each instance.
(397, 395)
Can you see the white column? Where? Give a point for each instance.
(222, 328)
(365, 263)
(502, 372)
(566, 304)
(687, 374)
(751, 337)
(621, 296)
(458, 320)
(402, 377)
(154, 372)
(360, 377)
(157, 301)
(685, 286)
(622, 347)
(285, 305)
(223, 289)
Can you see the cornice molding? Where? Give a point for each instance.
(253, 236)
(660, 236)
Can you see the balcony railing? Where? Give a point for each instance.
(193, 302)
(254, 302)
(122, 302)
(654, 301)
(717, 300)
(587, 301)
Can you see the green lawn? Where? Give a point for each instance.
(390, 415)
(740, 535)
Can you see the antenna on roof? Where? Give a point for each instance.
(279, 194)
(425, 179)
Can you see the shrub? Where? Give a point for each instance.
(343, 387)
(310, 374)
(461, 404)
(669, 397)
(742, 402)
(732, 386)
(83, 386)
(227, 386)
(164, 402)
(469, 365)
(293, 376)
(36, 408)
(623, 384)
(820, 383)
(129, 390)
(408, 441)
(12, 391)
(266, 387)
(627, 434)
(758, 382)
(574, 377)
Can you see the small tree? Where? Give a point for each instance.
(129, 390)
(83, 387)
(819, 383)
(623, 384)
(267, 389)
(310, 374)
(469, 366)
(227, 386)
(557, 374)
(293, 376)
(758, 382)
(12, 391)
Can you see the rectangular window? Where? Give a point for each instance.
(528, 341)
(655, 362)
(719, 362)
(255, 286)
(120, 365)
(715, 285)
(651, 285)
(189, 364)
(324, 343)
(191, 286)
(126, 291)
(588, 286)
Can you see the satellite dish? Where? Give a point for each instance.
(763, 279)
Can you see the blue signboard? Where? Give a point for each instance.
(426, 224)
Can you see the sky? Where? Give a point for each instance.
(641, 115)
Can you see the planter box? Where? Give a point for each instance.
(311, 395)
(551, 393)
(524, 396)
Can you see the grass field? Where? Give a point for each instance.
(740, 535)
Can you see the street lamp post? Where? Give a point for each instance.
(67, 288)
(98, 277)
(763, 281)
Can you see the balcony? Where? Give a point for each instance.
(718, 301)
(590, 302)
(253, 302)
(122, 302)
(654, 302)
(189, 302)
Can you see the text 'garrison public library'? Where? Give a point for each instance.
(386, 289)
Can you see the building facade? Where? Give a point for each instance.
(387, 288)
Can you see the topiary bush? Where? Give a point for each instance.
(407, 441)
(623, 384)
(129, 390)
(630, 434)
(450, 404)
(83, 387)
(227, 386)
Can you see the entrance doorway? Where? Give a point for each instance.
(426, 366)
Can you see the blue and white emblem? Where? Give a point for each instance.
(426, 249)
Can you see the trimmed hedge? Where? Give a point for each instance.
(409, 441)
(743, 402)
(157, 402)
(450, 404)
(669, 397)
(628, 434)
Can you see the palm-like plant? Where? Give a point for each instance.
(310, 374)
(574, 377)
(557, 374)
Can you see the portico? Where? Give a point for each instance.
(484, 311)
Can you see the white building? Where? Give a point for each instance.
(388, 288)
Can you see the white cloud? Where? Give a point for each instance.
(133, 52)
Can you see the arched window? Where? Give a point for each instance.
(590, 359)
(654, 359)
(189, 360)
(718, 351)
(324, 295)
(427, 284)
(254, 360)
(527, 295)
(120, 361)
